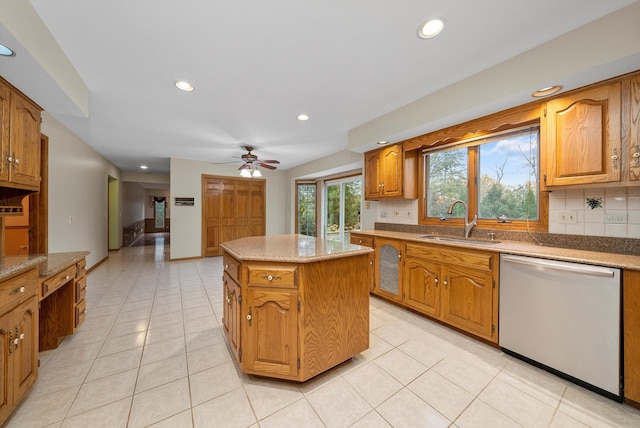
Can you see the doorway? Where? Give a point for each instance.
(342, 207)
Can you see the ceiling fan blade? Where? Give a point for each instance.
(269, 161)
(264, 165)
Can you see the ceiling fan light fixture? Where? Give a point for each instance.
(303, 117)
(185, 86)
(245, 173)
(256, 173)
(431, 28)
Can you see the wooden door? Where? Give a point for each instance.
(243, 209)
(372, 184)
(26, 351)
(6, 357)
(258, 198)
(392, 171)
(467, 299)
(211, 227)
(25, 141)
(4, 130)
(583, 137)
(227, 210)
(271, 332)
(421, 286)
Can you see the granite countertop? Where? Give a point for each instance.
(291, 249)
(11, 265)
(48, 264)
(56, 262)
(624, 261)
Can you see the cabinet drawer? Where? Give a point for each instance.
(81, 313)
(273, 276)
(52, 284)
(475, 259)
(231, 266)
(81, 289)
(365, 241)
(81, 268)
(19, 288)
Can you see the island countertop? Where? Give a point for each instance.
(291, 249)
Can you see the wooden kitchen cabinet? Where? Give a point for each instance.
(631, 337)
(19, 139)
(455, 286)
(581, 135)
(18, 339)
(631, 121)
(366, 241)
(388, 268)
(390, 173)
(296, 319)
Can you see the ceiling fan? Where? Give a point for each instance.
(251, 161)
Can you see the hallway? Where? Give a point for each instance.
(151, 353)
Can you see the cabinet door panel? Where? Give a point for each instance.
(388, 272)
(243, 209)
(26, 351)
(372, 188)
(212, 188)
(584, 137)
(4, 131)
(231, 314)
(25, 141)
(6, 381)
(271, 329)
(467, 300)
(421, 286)
(392, 171)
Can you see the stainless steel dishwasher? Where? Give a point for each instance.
(564, 317)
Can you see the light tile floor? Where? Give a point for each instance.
(151, 353)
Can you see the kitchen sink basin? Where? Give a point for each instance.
(474, 241)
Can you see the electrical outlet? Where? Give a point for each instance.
(568, 217)
(615, 218)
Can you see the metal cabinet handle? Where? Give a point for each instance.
(271, 277)
(228, 299)
(614, 158)
(636, 156)
(22, 336)
(445, 283)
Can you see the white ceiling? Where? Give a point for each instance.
(257, 64)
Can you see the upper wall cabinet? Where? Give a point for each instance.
(390, 173)
(631, 132)
(19, 139)
(583, 137)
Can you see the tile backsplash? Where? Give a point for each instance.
(611, 212)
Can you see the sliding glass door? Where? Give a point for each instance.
(343, 201)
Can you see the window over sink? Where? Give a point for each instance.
(496, 174)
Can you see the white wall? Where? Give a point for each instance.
(334, 164)
(186, 222)
(133, 203)
(78, 193)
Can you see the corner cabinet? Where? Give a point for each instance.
(390, 173)
(19, 139)
(294, 321)
(583, 137)
(18, 338)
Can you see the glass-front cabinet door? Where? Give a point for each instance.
(388, 272)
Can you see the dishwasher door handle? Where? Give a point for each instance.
(543, 264)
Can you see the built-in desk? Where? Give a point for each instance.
(61, 291)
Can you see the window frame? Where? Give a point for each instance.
(539, 225)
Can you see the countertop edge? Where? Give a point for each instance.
(623, 261)
(20, 265)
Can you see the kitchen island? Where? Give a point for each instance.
(295, 306)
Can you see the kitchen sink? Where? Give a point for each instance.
(474, 241)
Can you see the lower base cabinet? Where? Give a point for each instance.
(18, 339)
(455, 286)
(631, 329)
(296, 320)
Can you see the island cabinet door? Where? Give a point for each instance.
(270, 332)
(231, 315)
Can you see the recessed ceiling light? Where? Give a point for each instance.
(303, 117)
(382, 142)
(5, 51)
(549, 90)
(431, 28)
(144, 167)
(185, 86)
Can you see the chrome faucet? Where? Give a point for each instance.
(467, 226)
